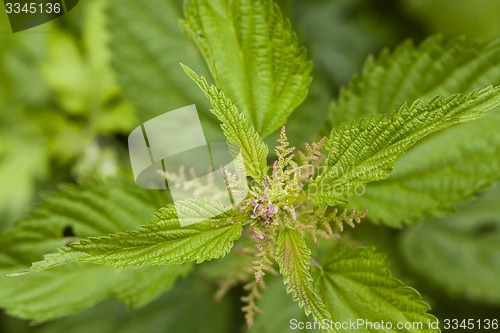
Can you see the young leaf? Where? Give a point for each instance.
(460, 253)
(436, 174)
(293, 255)
(410, 73)
(161, 242)
(63, 217)
(356, 283)
(366, 150)
(237, 129)
(253, 55)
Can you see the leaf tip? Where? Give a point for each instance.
(188, 70)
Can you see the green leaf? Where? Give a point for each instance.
(366, 150)
(448, 167)
(83, 211)
(146, 57)
(410, 73)
(234, 265)
(161, 242)
(253, 55)
(356, 285)
(436, 174)
(293, 255)
(461, 253)
(237, 129)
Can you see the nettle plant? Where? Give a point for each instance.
(292, 221)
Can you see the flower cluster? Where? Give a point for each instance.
(282, 190)
(263, 209)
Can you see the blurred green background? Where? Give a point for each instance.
(65, 114)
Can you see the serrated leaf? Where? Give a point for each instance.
(253, 55)
(410, 73)
(448, 167)
(366, 150)
(436, 174)
(293, 255)
(233, 265)
(355, 284)
(237, 129)
(87, 210)
(161, 242)
(461, 253)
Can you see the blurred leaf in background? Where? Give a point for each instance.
(87, 106)
(188, 308)
(60, 106)
(23, 159)
(474, 19)
(466, 245)
(147, 59)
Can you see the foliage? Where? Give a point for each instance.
(476, 228)
(70, 214)
(293, 257)
(260, 40)
(365, 150)
(404, 196)
(158, 83)
(237, 129)
(350, 278)
(407, 141)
